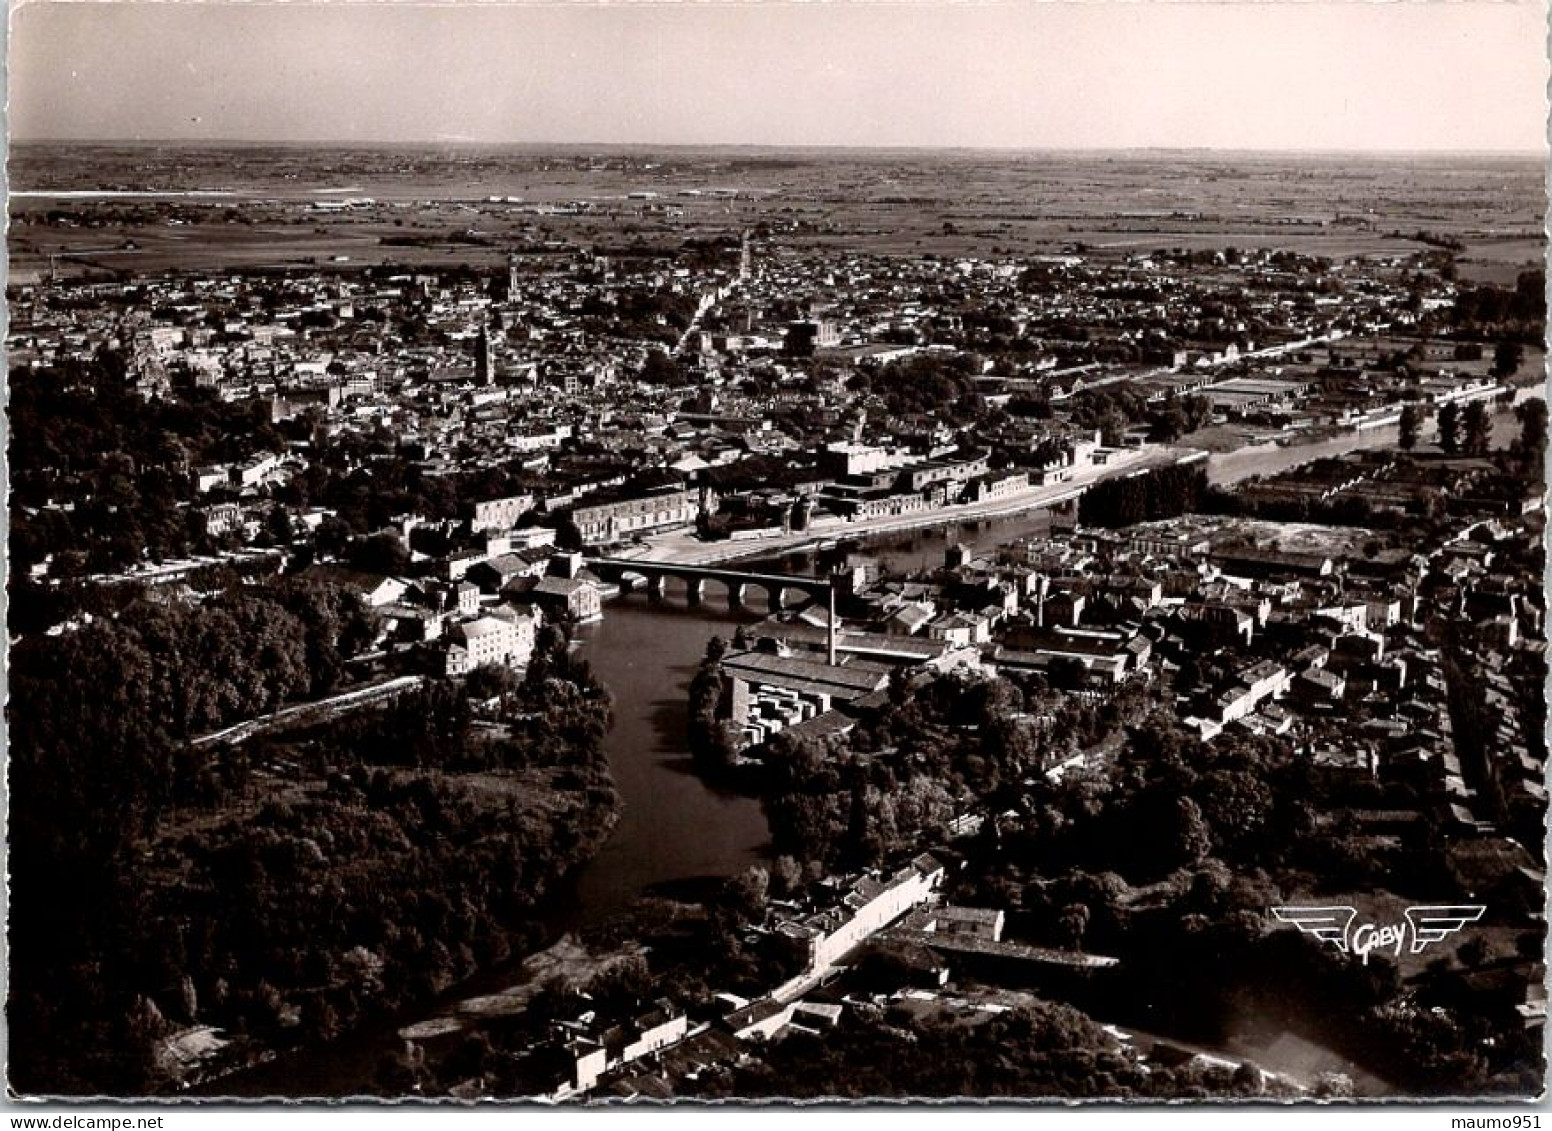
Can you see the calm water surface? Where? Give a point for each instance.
(673, 826)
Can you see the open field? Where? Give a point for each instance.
(470, 205)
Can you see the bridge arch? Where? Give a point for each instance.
(628, 580)
(665, 579)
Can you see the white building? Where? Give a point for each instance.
(500, 514)
(870, 905)
(502, 636)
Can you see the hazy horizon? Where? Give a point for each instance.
(1358, 77)
(625, 146)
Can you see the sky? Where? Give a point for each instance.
(1359, 75)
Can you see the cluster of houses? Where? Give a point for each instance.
(1355, 650)
(637, 395)
(466, 614)
(1331, 642)
(641, 1054)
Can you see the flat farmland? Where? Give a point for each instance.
(1500, 260)
(467, 205)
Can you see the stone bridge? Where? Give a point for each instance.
(628, 573)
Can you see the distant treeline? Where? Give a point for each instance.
(438, 239)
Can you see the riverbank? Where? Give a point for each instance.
(686, 549)
(566, 960)
(668, 829)
(1224, 469)
(451, 842)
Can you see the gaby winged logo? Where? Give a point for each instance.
(1422, 926)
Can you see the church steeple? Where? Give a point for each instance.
(484, 358)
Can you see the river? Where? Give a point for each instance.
(673, 827)
(1224, 469)
(910, 551)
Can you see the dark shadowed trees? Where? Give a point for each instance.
(1411, 420)
(1507, 356)
(1449, 427)
(1476, 425)
(1532, 446)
